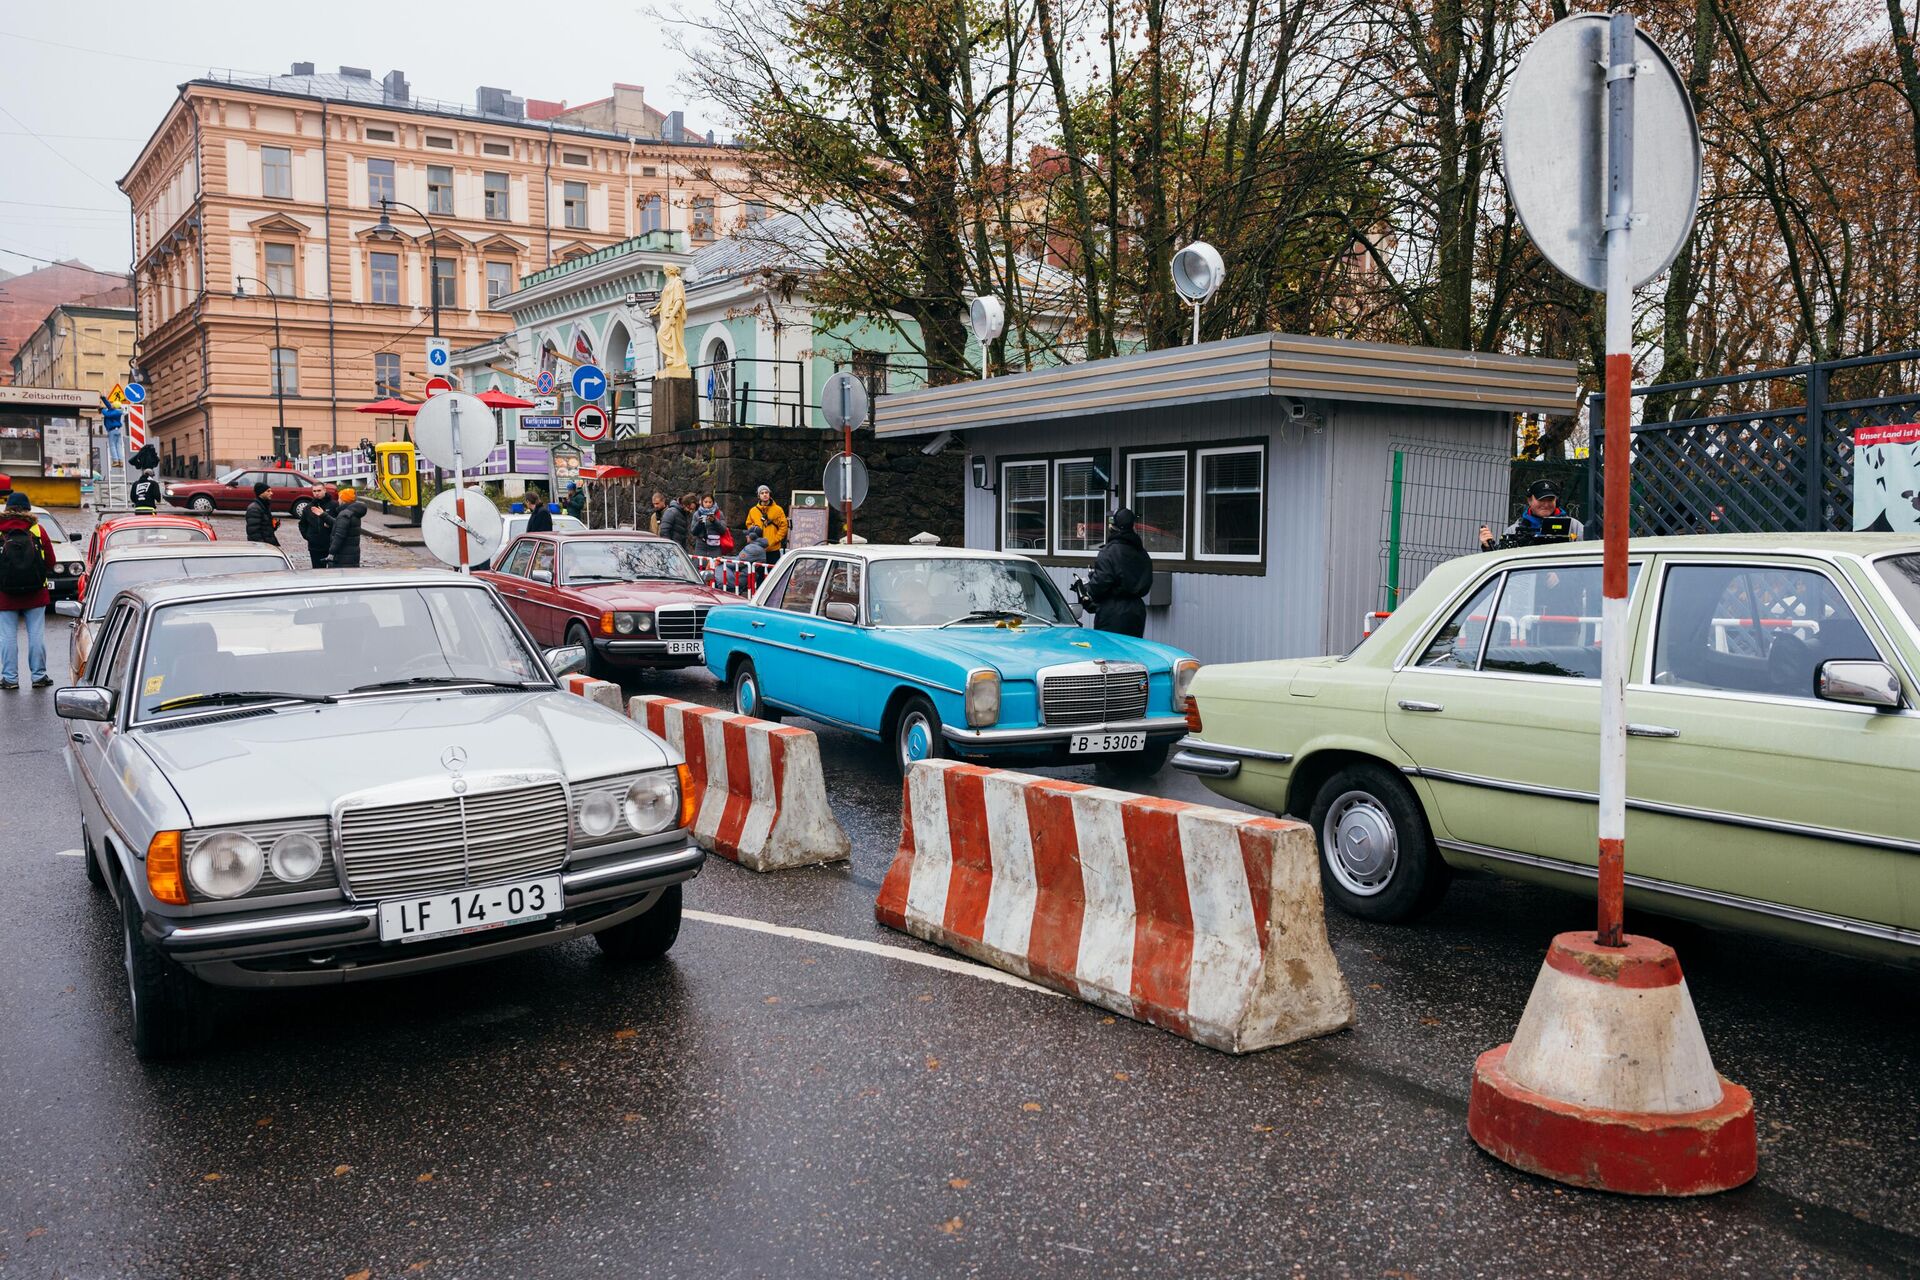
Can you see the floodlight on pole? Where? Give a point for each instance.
(987, 317)
(1197, 276)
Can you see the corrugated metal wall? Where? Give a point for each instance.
(1326, 495)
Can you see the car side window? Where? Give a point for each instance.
(1548, 623)
(542, 561)
(518, 559)
(1753, 629)
(797, 592)
(126, 621)
(1456, 646)
(843, 586)
(281, 479)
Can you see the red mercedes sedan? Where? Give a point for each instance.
(632, 599)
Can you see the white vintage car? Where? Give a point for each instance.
(291, 779)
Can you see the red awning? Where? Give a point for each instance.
(501, 400)
(392, 407)
(608, 473)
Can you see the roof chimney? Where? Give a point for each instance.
(355, 73)
(395, 86)
(303, 68)
(676, 130)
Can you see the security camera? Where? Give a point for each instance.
(1297, 410)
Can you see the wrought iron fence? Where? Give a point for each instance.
(1767, 452)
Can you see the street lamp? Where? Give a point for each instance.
(386, 231)
(273, 361)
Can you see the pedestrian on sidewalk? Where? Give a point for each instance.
(768, 517)
(26, 558)
(260, 521)
(676, 523)
(343, 550)
(316, 526)
(1122, 575)
(755, 552)
(710, 534)
(145, 493)
(539, 519)
(659, 510)
(576, 503)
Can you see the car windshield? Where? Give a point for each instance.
(114, 577)
(934, 592)
(317, 644)
(52, 526)
(148, 535)
(624, 561)
(232, 477)
(1902, 575)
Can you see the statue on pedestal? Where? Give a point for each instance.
(671, 331)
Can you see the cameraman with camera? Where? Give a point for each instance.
(1116, 591)
(1544, 520)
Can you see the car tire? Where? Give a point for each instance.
(1377, 859)
(1134, 767)
(299, 509)
(597, 667)
(173, 1011)
(647, 936)
(916, 734)
(95, 876)
(201, 504)
(749, 695)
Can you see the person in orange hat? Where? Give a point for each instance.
(344, 550)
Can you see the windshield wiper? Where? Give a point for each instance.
(240, 695)
(595, 577)
(983, 614)
(415, 682)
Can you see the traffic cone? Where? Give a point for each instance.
(1608, 1083)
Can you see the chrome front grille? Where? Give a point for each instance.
(1092, 693)
(432, 846)
(682, 621)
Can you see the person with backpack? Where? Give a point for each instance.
(316, 526)
(26, 558)
(343, 549)
(260, 521)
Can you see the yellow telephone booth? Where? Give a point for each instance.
(398, 475)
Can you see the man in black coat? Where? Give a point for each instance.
(539, 519)
(675, 524)
(343, 550)
(1122, 575)
(260, 521)
(316, 526)
(144, 494)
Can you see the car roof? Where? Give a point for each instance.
(595, 535)
(179, 550)
(903, 551)
(254, 584)
(1819, 544)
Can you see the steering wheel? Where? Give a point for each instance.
(1790, 664)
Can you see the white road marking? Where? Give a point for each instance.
(947, 964)
(69, 853)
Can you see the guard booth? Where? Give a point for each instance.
(1285, 486)
(44, 442)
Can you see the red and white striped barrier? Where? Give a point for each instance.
(738, 577)
(763, 792)
(597, 691)
(1203, 922)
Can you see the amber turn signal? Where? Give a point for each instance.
(606, 624)
(689, 805)
(163, 868)
(1193, 714)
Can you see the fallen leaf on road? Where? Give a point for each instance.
(1263, 1128)
(1429, 1022)
(627, 1033)
(1376, 986)
(360, 1275)
(263, 1122)
(1029, 1106)
(773, 999)
(951, 1225)
(36, 1233)
(933, 1064)
(1122, 1076)
(425, 1177)
(924, 999)
(633, 1117)
(1106, 1022)
(417, 1266)
(341, 1170)
(209, 1177)
(959, 1184)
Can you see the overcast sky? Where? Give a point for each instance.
(92, 79)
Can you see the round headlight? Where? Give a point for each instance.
(225, 865)
(598, 813)
(623, 623)
(653, 802)
(646, 621)
(295, 857)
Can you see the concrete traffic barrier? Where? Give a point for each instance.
(1608, 1083)
(603, 692)
(763, 792)
(1204, 922)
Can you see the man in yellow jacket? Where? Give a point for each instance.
(767, 517)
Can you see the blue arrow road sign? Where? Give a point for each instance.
(588, 382)
(135, 393)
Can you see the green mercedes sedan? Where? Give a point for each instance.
(1773, 759)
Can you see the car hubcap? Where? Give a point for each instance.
(916, 739)
(749, 699)
(1363, 849)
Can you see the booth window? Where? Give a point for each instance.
(1081, 525)
(1023, 506)
(1232, 484)
(386, 373)
(1157, 494)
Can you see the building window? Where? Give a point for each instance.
(379, 135)
(574, 205)
(573, 157)
(440, 141)
(1157, 494)
(756, 210)
(647, 171)
(279, 269)
(703, 217)
(871, 368)
(439, 188)
(652, 213)
(379, 182)
(1023, 506)
(496, 148)
(286, 442)
(1081, 525)
(286, 371)
(386, 374)
(446, 292)
(499, 281)
(498, 206)
(1232, 486)
(276, 173)
(384, 270)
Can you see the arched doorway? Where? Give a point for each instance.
(716, 379)
(619, 370)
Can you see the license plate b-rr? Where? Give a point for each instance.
(685, 647)
(491, 906)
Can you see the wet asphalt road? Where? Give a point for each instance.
(759, 1105)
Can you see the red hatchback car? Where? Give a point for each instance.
(632, 599)
(289, 491)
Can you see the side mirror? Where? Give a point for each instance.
(1857, 683)
(567, 660)
(85, 702)
(544, 575)
(67, 608)
(841, 611)
(73, 537)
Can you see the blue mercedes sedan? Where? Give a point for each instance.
(945, 652)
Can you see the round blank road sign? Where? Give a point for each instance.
(846, 475)
(843, 401)
(1554, 152)
(433, 428)
(440, 526)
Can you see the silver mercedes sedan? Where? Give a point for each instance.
(289, 779)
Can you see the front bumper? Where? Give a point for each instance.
(337, 944)
(64, 586)
(645, 653)
(1044, 744)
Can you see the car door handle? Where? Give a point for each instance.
(756, 625)
(81, 737)
(806, 635)
(1651, 731)
(1407, 704)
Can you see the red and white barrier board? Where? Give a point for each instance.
(602, 692)
(1204, 922)
(763, 792)
(738, 577)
